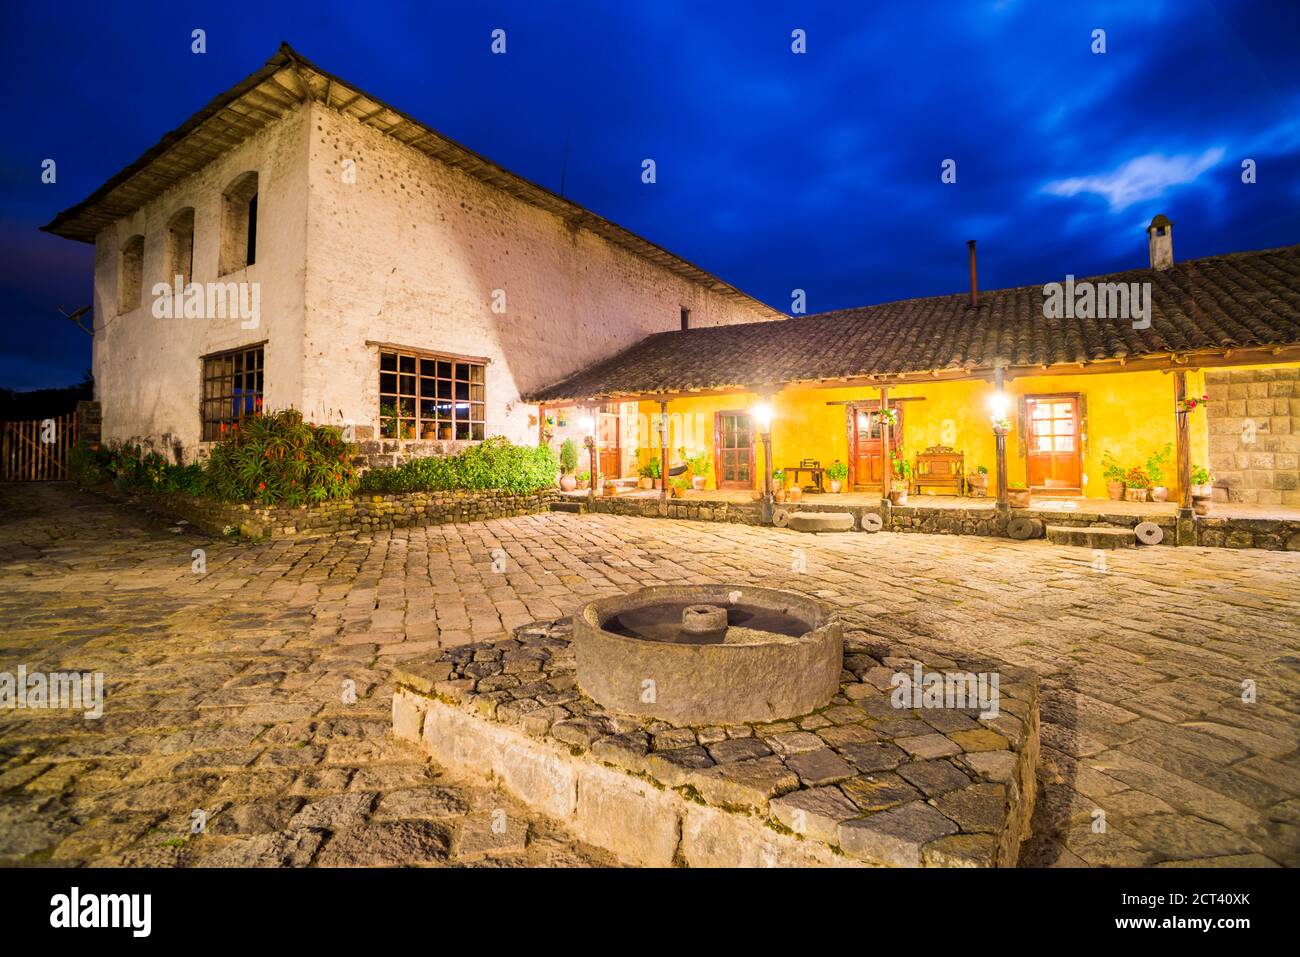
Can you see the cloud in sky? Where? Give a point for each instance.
(1144, 177)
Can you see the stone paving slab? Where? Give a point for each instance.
(214, 680)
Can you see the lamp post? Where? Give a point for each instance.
(588, 425)
(762, 414)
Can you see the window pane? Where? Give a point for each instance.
(444, 370)
(388, 383)
(388, 361)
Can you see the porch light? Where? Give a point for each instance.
(762, 414)
(999, 405)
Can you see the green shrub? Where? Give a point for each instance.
(492, 464)
(278, 458)
(87, 466)
(568, 456)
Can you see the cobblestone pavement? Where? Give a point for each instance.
(224, 689)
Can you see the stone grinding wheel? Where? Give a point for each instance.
(1149, 533)
(1021, 528)
(780, 517)
(871, 522)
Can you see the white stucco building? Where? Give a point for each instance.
(401, 283)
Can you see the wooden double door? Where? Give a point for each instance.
(609, 437)
(733, 450)
(867, 443)
(1053, 443)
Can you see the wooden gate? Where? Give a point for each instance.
(37, 451)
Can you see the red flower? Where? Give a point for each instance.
(261, 486)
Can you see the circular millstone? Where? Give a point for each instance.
(698, 619)
(821, 521)
(1149, 533)
(1021, 528)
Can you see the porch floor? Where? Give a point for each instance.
(1040, 504)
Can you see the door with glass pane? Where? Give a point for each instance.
(733, 450)
(1053, 438)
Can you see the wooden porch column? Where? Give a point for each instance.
(541, 425)
(1001, 445)
(594, 454)
(886, 449)
(663, 453)
(1184, 444)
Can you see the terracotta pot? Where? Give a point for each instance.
(1159, 494)
(647, 482)
(584, 484)
(835, 486)
(697, 482)
(678, 492)
(1135, 494)
(430, 433)
(444, 433)
(898, 496)
(568, 483)
(1202, 491)
(779, 495)
(1115, 491)
(756, 496)
(1202, 504)
(1018, 497)
(794, 494)
(610, 490)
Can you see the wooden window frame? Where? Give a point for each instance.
(426, 390)
(240, 400)
(718, 450)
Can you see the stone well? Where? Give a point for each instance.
(742, 674)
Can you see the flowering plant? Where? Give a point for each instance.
(1192, 403)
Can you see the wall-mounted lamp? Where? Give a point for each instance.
(762, 414)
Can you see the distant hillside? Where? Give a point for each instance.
(43, 403)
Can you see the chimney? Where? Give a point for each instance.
(1160, 242)
(974, 284)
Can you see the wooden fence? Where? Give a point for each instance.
(37, 451)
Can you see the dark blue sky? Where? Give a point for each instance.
(776, 171)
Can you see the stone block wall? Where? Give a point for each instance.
(364, 513)
(1254, 426)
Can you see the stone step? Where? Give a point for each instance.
(576, 507)
(1092, 536)
(821, 521)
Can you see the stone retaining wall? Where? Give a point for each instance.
(1270, 534)
(362, 513)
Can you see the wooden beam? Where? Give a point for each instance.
(1184, 444)
(886, 449)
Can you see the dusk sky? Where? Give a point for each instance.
(776, 171)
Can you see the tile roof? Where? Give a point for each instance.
(1233, 301)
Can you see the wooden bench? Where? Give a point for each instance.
(940, 467)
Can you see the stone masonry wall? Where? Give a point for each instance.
(364, 513)
(1263, 405)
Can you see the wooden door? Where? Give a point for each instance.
(608, 438)
(1052, 438)
(733, 450)
(869, 465)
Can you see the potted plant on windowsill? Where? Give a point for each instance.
(978, 481)
(1137, 484)
(1113, 473)
(568, 464)
(778, 485)
(902, 471)
(837, 472)
(1018, 496)
(1155, 469)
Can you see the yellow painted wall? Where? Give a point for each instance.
(1130, 415)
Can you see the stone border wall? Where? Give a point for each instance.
(1254, 425)
(1270, 534)
(364, 513)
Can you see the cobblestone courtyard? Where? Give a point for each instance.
(224, 690)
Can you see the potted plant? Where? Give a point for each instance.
(1018, 496)
(700, 467)
(978, 481)
(679, 486)
(1137, 484)
(778, 484)
(1113, 473)
(1155, 469)
(650, 473)
(837, 472)
(1202, 483)
(430, 432)
(568, 463)
(584, 480)
(794, 493)
(902, 470)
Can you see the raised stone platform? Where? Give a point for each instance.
(1096, 536)
(822, 521)
(858, 782)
